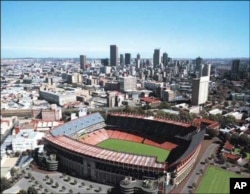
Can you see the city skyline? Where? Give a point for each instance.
(69, 29)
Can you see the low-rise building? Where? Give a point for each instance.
(26, 140)
(236, 115)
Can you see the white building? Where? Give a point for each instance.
(200, 90)
(58, 98)
(127, 83)
(215, 111)
(27, 140)
(236, 115)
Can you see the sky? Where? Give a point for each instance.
(215, 29)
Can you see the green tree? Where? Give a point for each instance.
(161, 113)
(235, 139)
(213, 132)
(32, 190)
(164, 105)
(229, 119)
(22, 192)
(5, 184)
(13, 171)
(226, 103)
(244, 140)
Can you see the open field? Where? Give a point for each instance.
(216, 180)
(134, 148)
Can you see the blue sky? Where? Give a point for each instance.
(68, 29)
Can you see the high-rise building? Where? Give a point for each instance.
(206, 70)
(113, 55)
(165, 59)
(127, 58)
(138, 56)
(83, 62)
(105, 62)
(138, 61)
(121, 59)
(156, 57)
(235, 68)
(200, 90)
(198, 62)
(127, 83)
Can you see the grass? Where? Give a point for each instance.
(216, 180)
(134, 148)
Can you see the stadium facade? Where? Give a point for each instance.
(76, 147)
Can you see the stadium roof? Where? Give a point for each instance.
(104, 154)
(196, 140)
(77, 124)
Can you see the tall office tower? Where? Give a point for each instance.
(127, 58)
(165, 59)
(235, 69)
(138, 56)
(105, 62)
(83, 62)
(113, 55)
(205, 70)
(198, 62)
(138, 61)
(200, 90)
(121, 59)
(156, 57)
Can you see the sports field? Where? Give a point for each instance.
(134, 148)
(216, 180)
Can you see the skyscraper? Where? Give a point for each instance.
(156, 57)
(127, 58)
(235, 68)
(138, 56)
(198, 62)
(121, 59)
(165, 59)
(200, 90)
(83, 62)
(205, 70)
(138, 61)
(113, 55)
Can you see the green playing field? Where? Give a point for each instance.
(216, 180)
(134, 148)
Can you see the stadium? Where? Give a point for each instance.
(136, 152)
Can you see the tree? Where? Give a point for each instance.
(13, 171)
(235, 139)
(22, 192)
(32, 190)
(5, 184)
(233, 103)
(244, 140)
(164, 105)
(161, 113)
(29, 175)
(17, 154)
(229, 119)
(226, 103)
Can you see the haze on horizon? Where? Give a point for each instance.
(68, 29)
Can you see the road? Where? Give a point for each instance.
(194, 176)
